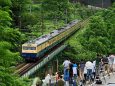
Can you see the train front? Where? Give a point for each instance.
(29, 52)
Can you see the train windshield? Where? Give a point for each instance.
(29, 48)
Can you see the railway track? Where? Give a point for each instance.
(25, 67)
(20, 65)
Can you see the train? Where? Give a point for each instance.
(35, 49)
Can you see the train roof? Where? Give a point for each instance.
(46, 37)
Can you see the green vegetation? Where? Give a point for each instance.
(22, 20)
(40, 17)
(97, 37)
(9, 41)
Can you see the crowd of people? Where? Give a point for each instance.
(78, 73)
(86, 71)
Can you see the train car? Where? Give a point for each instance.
(35, 49)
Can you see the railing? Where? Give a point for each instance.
(44, 61)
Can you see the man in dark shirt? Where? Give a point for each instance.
(98, 63)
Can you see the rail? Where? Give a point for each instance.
(45, 60)
(28, 69)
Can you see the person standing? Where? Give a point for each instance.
(71, 74)
(89, 67)
(98, 63)
(94, 69)
(66, 65)
(74, 73)
(82, 65)
(105, 62)
(74, 69)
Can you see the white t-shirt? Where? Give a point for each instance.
(66, 63)
(89, 65)
(74, 70)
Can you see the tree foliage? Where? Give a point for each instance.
(7, 57)
(5, 19)
(9, 40)
(18, 8)
(8, 79)
(4, 3)
(95, 37)
(59, 7)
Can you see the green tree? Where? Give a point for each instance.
(8, 79)
(4, 3)
(7, 58)
(109, 17)
(8, 39)
(61, 9)
(12, 36)
(19, 7)
(5, 19)
(96, 37)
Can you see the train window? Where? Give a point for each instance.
(33, 48)
(29, 48)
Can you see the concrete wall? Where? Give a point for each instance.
(98, 3)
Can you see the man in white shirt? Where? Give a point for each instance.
(89, 67)
(66, 65)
